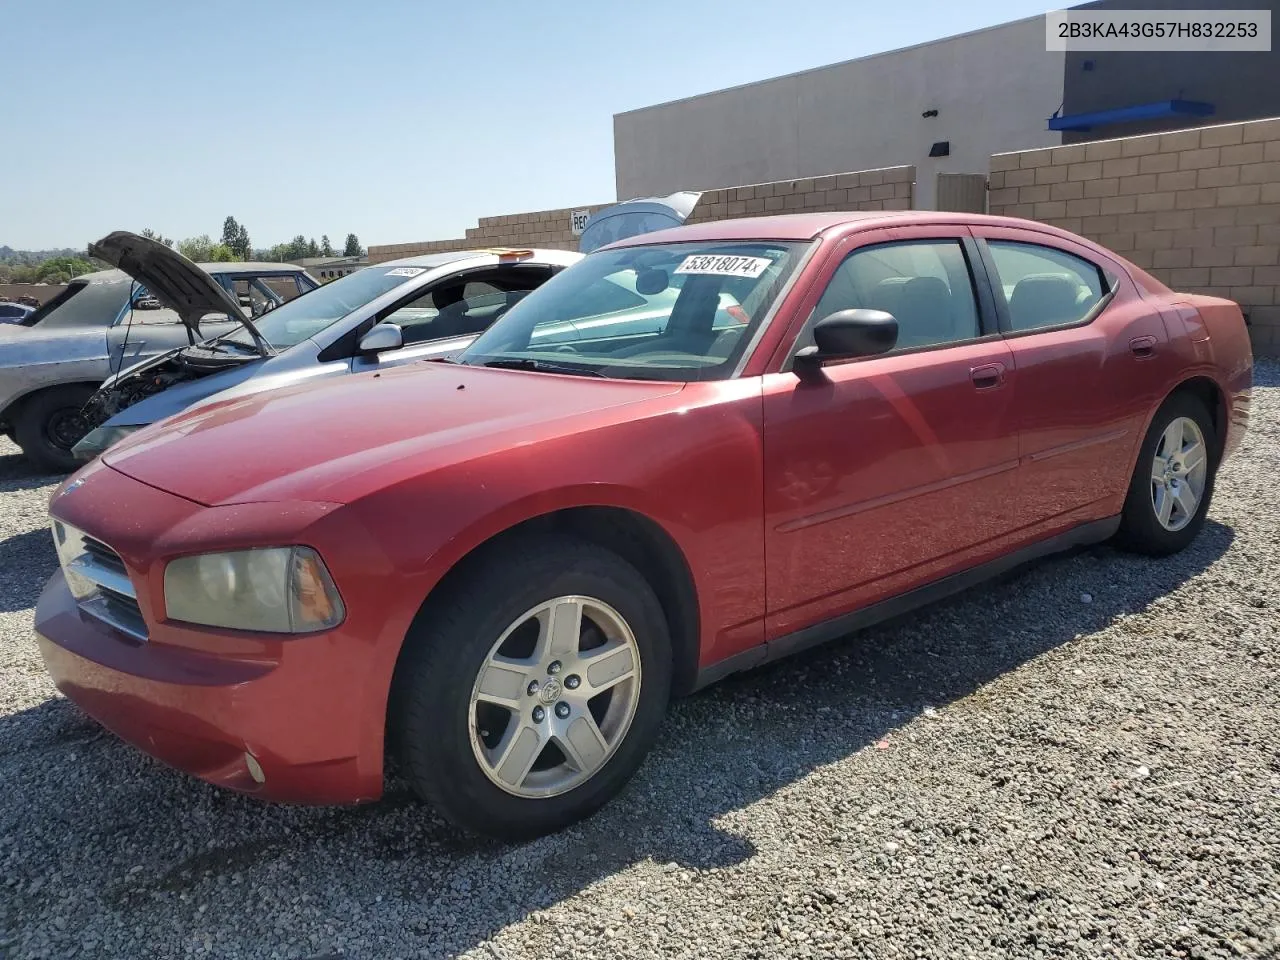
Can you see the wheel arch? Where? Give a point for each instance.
(16, 402)
(14, 407)
(1208, 391)
(637, 538)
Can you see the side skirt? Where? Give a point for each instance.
(1087, 533)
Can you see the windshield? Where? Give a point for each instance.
(679, 311)
(305, 316)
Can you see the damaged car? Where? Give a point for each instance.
(392, 313)
(52, 361)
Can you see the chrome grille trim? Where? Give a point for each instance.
(99, 581)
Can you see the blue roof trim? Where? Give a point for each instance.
(1142, 111)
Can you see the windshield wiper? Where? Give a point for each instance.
(542, 366)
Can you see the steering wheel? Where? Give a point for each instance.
(565, 348)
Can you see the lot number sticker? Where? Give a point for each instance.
(720, 265)
(406, 271)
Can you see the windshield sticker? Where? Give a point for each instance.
(721, 265)
(406, 271)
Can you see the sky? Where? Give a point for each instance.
(398, 120)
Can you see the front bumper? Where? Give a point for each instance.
(205, 714)
(309, 710)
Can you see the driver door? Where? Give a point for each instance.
(894, 468)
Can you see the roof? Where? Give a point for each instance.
(432, 260)
(809, 226)
(249, 266)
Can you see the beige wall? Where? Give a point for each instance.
(1198, 208)
(887, 189)
(548, 229)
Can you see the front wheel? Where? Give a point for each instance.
(49, 424)
(528, 698)
(1172, 483)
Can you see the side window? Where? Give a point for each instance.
(1044, 286)
(285, 287)
(925, 284)
(148, 310)
(460, 309)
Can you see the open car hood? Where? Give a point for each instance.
(173, 279)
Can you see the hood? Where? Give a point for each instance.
(335, 441)
(173, 279)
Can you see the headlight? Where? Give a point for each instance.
(273, 590)
(96, 441)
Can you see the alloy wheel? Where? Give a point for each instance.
(1178, 473)
(555, 697)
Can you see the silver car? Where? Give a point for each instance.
(397, 312)
(52, 362)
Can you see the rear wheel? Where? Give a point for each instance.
(1172, 483)
(528, 698)
(49, 424)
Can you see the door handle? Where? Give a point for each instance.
(987, 376)
(1143, 347)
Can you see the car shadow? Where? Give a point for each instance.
(27, 560)
(19, 473)
(752, 735)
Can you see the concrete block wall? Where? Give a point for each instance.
(1199, 209)
(549, 229)
(890, 188)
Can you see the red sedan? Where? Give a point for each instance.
(685, 455)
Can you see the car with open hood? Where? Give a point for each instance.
(501, 567)
(401, 311)
(54, 359)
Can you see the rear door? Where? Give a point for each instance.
(1090, 356)
(881, 477)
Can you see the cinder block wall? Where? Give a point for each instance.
(1198, 208)
(549, 229)
(886, 189)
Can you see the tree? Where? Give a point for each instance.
(221, 253)
(152, 235)
(313, 250)
(196, 248)
(242, 246)
(326, 248)
(230, 232)
(297, 248)
(352, 247)
(61, 269)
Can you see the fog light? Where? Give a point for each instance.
(255, 768)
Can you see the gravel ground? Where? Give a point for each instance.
(1080, 760)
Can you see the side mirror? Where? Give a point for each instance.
(844, 335)
(385, 336)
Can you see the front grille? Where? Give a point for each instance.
(103, 554)
(99, 581)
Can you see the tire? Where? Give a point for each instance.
(46, 424)
(452, 743)
(1141, 528)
